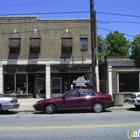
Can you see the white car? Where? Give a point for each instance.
(7, 103)
(135, 99)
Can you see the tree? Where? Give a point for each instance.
(117, 44)
(135, 50)
(101, 49)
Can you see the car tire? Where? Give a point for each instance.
(49, 109)
(0, 109)
(97, 107)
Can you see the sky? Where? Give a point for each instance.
(112, 15)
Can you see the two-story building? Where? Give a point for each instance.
(43, 57)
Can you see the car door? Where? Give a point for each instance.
(70, 100)
(86, 98)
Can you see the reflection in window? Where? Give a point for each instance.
(128, 82)
(72, 94)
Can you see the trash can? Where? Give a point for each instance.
(118, 99)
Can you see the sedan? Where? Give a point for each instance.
(76, 99)
(135, 99)
(7, 103)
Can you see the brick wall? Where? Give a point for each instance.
(50, 32)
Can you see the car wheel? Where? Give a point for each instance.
(0, 109)
(98, 107)
(50, 109)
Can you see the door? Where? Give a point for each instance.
(87, 98)
(70, 100)
(56, 84)
(40, 87)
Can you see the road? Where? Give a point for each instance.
(108, 125)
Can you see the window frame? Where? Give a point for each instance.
(82, 43)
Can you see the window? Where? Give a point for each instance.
(14, 45)
(128, 82)
(73, 94)
(83, 42)
(67, 45)
(88, 93)
(34, 45)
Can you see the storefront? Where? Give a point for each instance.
(38, 80)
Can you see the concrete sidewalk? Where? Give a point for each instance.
(27, 105)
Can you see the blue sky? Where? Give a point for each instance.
(106, 12)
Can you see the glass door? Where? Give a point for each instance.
(40, 87)
(56, 84)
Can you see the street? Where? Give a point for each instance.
(83, 125)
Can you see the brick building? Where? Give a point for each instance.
(43, 57)
(119, 75)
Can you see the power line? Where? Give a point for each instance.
(108, 22)
(27, 3)
(74, 12)
(114, 31)
(117, 14)
(45, 13)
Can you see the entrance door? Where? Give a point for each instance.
(40, 87)
(56, 84)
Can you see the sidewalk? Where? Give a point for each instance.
(27, 105)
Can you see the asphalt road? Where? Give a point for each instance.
(108, 125)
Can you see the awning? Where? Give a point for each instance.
(14, 42)
(67, 42)
(35, 42)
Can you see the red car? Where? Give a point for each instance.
(76, 99)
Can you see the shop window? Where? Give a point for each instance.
(67, 45)
(83, 43)
(14, 45)
(35, 45)
(128, 82)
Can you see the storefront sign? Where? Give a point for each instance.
(81, 82)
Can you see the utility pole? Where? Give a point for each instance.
(93, 40)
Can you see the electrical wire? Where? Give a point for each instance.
(28, 3)
(108, 22)
(78, 12)
(114, 31)
(117, 14)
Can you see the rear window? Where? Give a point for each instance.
(88, 93)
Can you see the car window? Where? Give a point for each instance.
(72, 94)
(138, 95)
(88, 93)
(84, 93)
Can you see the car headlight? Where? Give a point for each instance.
(39, 102)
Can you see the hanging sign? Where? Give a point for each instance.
(81, 82)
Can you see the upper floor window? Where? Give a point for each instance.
(14, 45)
(67, 45)
(83, 43)
(35, 45)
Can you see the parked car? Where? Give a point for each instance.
(76, 99)
(135, 99)
(7, 103)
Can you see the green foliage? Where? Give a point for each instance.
(114, 44)
(135, 50)
(117, 44)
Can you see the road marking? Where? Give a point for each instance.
(70, 127)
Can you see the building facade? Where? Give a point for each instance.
(119, 75)
(43, 57)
